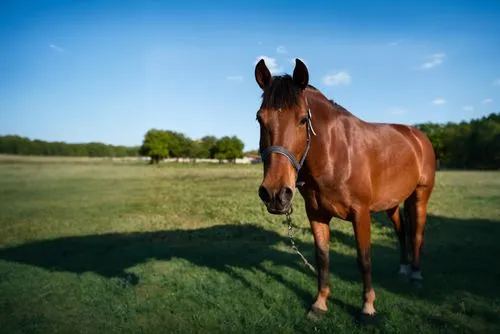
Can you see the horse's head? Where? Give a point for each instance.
(284, 119)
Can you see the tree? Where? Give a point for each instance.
(179, 144)
(209, 146)
(155, 145)
(229, 148)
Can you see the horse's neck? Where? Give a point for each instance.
(329, 109)
(331, 120)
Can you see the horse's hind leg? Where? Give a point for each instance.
(399, 226)
(416, 205)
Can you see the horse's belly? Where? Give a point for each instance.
(384, 204)
(394, 192)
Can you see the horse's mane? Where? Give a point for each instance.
(284, 93)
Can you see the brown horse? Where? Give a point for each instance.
(348, 169)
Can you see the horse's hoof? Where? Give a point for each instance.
(367, 319)
(315, 314)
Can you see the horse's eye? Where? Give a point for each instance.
(303, 120)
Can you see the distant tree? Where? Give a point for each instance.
(155, 145)
(179, 144)
(209, 146)
(229, 148)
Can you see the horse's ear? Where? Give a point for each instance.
(262, 74)
(300, 74)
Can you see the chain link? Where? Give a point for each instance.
(294, 247)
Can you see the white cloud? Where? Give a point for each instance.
(433, 61)
(396, 43)
(339, 78)
(271, 64)
(486, 101)
(398, 111)
(234, 78)
(281, 49)
(468, 108)
(439, 101)
(55, 47)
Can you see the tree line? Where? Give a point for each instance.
(157, 144)
(14, 144)
(466, 145)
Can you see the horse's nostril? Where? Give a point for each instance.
(264, 194)
(288, 193)
(285, 194)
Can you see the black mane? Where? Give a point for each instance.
(282, 93)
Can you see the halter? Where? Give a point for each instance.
(282, 150)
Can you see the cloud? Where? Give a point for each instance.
(396, 43)
(486, 101)
(398, 111)
(335, 79)
(271, 64)
(234, 78)
(496, 82)
(281, 49)
(434, 60)
(55, 47)
(468, 108)
(439, 101)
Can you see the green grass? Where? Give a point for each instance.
(121, 247)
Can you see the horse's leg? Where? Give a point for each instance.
(399, 226)
(417, 204)
(362, 232)
(321, 232)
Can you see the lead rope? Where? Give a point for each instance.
(294, 247)
(310, 130)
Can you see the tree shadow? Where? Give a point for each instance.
(460, 255)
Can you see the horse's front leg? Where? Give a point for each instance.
(321, 232)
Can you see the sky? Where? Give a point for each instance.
(108, 71)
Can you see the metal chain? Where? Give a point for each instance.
(294, 247)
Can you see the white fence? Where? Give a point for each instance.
(242, 161)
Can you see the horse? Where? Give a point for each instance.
(343, 167)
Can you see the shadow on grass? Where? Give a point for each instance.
(460, 255)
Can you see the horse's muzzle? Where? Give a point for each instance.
(277, 202)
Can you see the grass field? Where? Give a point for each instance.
(120, 247)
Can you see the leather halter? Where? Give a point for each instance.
(282, 150)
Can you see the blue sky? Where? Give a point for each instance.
(108, 71)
